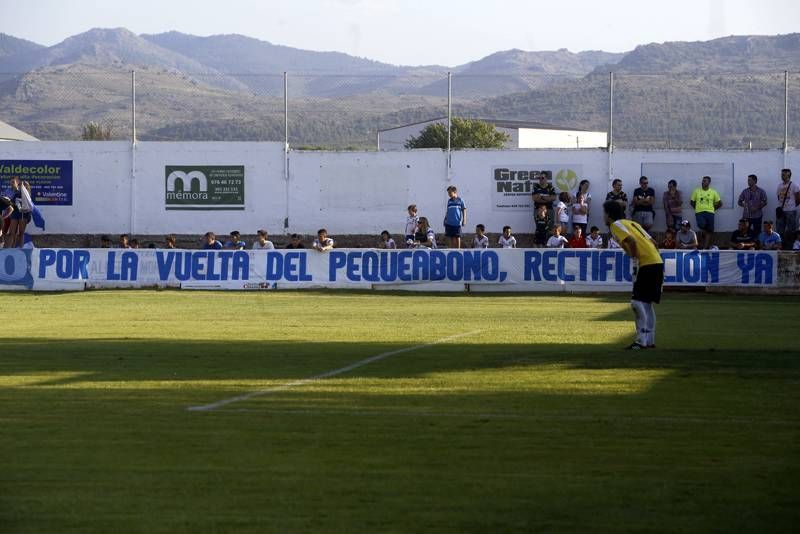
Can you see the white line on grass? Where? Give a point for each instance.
(327, 374)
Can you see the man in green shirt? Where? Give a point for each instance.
(705, 202)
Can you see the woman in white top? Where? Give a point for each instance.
(580, 208)
(261, 242)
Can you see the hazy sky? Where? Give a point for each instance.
(413, 32)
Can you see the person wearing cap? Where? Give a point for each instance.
(705, 201)
(743, 238)
(648, 272)
(686, 237)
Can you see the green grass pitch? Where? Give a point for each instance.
(525, 415)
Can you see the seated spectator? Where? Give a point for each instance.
(134, 243)
(322, 243)
(235, 242)
(124, 241)
(294, 242)
(557, 240)
(687, 239)
(769, 239)
(742, 238)
(594, 239)
(796, 245)
(424, 237)
(105, 241)
(669, 241)
(210, 242)
(612, 243)
(506, 239)
(386, 241)
(261, 242)
(151, 245)
(169, 241)
(480, 240)
(577, 240)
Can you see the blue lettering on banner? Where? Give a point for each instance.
(756, 266)
(128, 266)
(559, 266)
(205, 265)
(415, 266)
(15, 267)
(68, 264)
(692, 267)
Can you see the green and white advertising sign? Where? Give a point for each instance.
(217, 187)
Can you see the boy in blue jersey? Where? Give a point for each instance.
(455, 217)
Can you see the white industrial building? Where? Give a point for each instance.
(9, 133)
(523, 134)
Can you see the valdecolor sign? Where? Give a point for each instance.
(219, 187)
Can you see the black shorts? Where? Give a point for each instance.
(648, 282)
(452, 231)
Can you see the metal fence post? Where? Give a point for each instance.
(785, 111)
(133, 154)
(610, 126)
(449, 121)
(286, 148)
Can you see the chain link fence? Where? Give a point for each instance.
(353, 111)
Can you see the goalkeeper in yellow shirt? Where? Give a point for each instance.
(648, 272)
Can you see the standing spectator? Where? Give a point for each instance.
(673, 205)
(411, 224)
(577, 240)
(294, 242)
(124, 241)
(769, 239)
(562, 212)
(705, 202)
(506, 239)
(557, 240)
(386, 241)
(262, 242)
(669, 241)
(322, 243)
(687, 238)
(169, 241)
(753, 200)
(424, 236)
(235, 242)
(642, 204)
(617, 194)
(788, 200)
(455, 217)
(743, 238)
(210, 242)
(594, 239)
(581, 206)
(21, 216)
(544, 194)
(480, 240)
(542, 221)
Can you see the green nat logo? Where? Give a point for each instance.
(204, 187)
(566, 180)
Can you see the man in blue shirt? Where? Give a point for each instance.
(455, 217)
(769, 239)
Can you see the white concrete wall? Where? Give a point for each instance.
(352, 192)
(533, 138)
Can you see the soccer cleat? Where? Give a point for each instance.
(635, 346)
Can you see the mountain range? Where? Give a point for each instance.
(231, 86)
